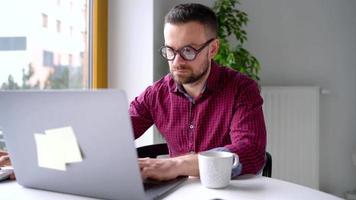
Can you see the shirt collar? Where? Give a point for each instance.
(212, 83)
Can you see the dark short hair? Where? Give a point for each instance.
(184, 13)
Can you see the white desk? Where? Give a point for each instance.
(248, 187)
(244, 188)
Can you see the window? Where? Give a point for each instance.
(71, 31)
(58, 25)
(70, 60)
(48, 59)
(44, 20)
(58, 61)
(12, 43)
(39, 59)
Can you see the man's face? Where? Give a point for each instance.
(193, 34)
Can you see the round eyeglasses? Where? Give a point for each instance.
(188, 53)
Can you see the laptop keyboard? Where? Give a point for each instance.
(150, 184)
(5, 173)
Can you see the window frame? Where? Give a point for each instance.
(99, 68)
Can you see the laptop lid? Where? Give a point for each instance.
(102, 127)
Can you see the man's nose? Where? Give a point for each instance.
(178, 59)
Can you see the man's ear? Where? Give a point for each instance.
(214, 48)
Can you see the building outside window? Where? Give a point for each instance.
(29, 54)
(34, 56)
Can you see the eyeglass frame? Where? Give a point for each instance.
(178, 51)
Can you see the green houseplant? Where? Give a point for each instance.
(231, 22)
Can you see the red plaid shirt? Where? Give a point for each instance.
(227, 114)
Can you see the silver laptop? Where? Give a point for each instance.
(102, 127)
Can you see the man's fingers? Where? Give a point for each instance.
(12, 176)
(151, 173)
(3, 153)
(145, 172)
(4, 160)
(143, 159)
(144, 162)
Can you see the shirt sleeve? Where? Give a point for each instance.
(247, 129)
(140, 114)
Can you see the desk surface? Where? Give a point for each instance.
(248, 187)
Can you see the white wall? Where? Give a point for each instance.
(131, 49)
(161, 7)
(312, 42)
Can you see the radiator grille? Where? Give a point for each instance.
(292, 120)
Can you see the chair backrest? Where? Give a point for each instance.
(267, 169)
(154, 150)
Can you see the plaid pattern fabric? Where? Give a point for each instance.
(227, 114)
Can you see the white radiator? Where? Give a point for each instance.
(292, 120)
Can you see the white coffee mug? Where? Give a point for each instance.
(215, 168)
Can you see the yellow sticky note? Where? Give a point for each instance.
(48, 153)
(67, 142)
(57, 147)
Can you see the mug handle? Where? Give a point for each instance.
(236, 160)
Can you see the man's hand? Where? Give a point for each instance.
(158, 169)
(5, 161)
(169, 168)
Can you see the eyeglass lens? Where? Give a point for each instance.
(187, 52)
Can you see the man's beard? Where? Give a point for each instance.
(189, 77)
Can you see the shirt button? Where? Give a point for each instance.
(191, 126)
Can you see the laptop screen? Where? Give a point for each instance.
(102, 127)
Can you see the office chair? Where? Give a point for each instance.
(152, 151)
(267, 169)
